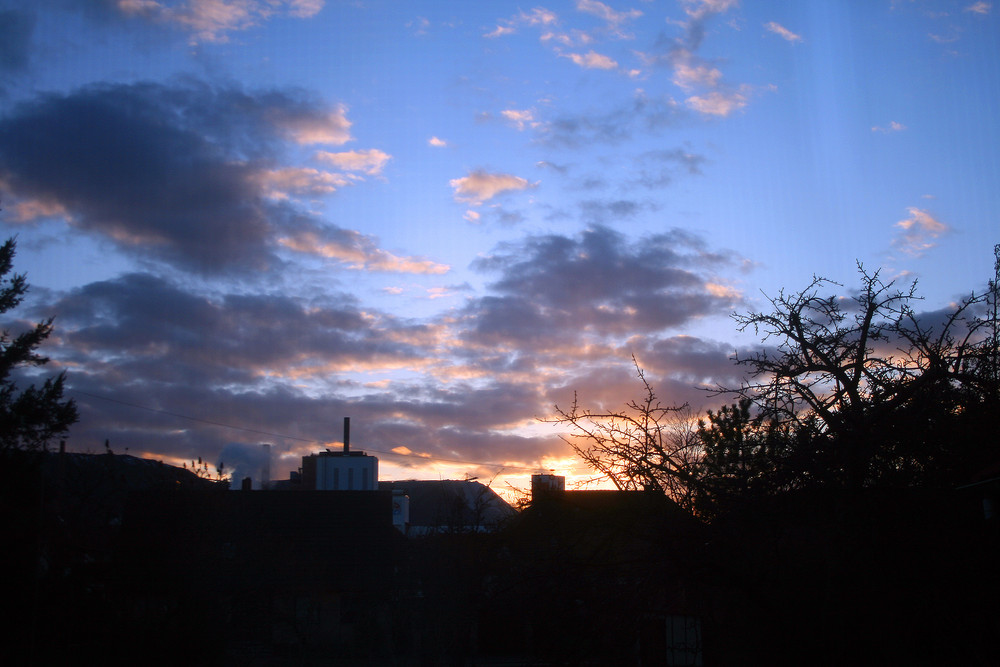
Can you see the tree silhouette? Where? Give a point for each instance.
(848, 392)
(850, 377)
(646, 445)
(31, 417)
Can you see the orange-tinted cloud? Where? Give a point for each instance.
(481, 186)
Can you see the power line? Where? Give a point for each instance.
(435, 459)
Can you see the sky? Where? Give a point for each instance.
(252, 218)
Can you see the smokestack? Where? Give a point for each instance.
(347, 436)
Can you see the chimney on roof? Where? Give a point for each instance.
(347, 436)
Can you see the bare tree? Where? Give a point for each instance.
(646, 445)
(844, 368)
(848, 391)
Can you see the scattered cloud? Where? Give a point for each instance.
(592, 60)
(689, 72)
(717, 103)
(436, 142)
(357, 251)
(500, 31)
(213, 20)
(298, 181)
(953, 35)
(782, 31)
(699, 12)
(893, 126)
(698, 8)
(643, 113)
(980, 7)
(481, 186)
(918, 233)
(306, 126)
(537, 17)
(613, 19)
(520, 118)
(371, 161)
(419, 25)
(657, 169)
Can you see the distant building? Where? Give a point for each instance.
(340, 471)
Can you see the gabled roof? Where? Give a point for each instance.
(451, 504)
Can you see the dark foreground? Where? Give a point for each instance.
(109, 559)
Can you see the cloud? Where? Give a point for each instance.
(29, 210)
(184, 174)
(693, 73)
(701, 8)
(892, 127)
(141, 328)
(357, 251)
(212, 20)
(481, 186)
(537, 17)
(782, 32)
(717, 103)
(291, 181)
(614, 19)
(256, 361)
(436, 142)
(918, 233)
(979, 7)
(595, 212)
(419, 25)
(308, 126)
(614, 126)
(690, 72)
(699, 12)
(592, 60)
(520, 118)
(500, 31)
(606, 13)
(657, 169)
(16, 30)
(370, 162)
(558, 292)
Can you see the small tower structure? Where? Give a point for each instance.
(340, 471)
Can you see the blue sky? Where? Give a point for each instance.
(441, 218)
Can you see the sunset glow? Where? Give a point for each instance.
(252, 219)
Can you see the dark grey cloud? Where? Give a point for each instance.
(143, 327)
(173, 172)
(656, 169)
(159, 369)
(555, 289)
(597, 212)
(16, 29)
(612, 126)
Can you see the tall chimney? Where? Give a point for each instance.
(347, 436)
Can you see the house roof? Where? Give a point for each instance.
(451, 503)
